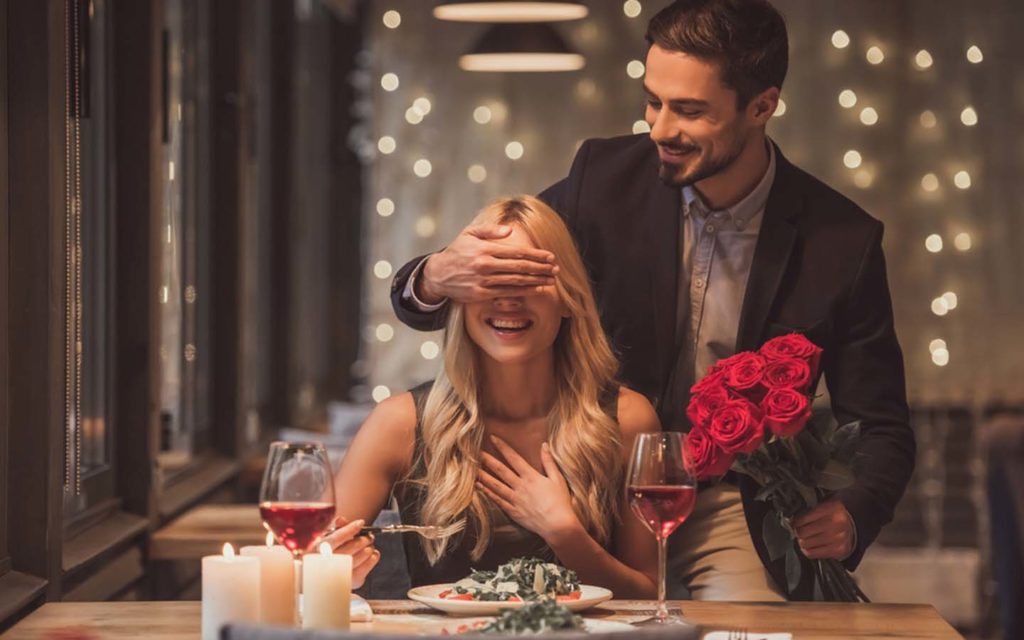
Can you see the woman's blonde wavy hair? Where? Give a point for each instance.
(584, 440)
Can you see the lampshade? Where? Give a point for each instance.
(521, 47)
(509, 11)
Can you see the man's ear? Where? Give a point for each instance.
(763, 106)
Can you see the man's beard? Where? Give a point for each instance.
(706, 168)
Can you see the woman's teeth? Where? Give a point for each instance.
(509, 325)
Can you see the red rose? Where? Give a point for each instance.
(714, 377)
(703, 404)
(788, 373)
(745, 372)
(786, 411)
(793, 346)
(737, 427)
(704, 456)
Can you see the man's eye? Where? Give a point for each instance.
(654, 104)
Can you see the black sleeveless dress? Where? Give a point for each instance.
(508, 539)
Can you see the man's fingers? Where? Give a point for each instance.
(509, 282)
(823, 510)
(498, 265)
(814, 528)
(539, 256)
(489, 231)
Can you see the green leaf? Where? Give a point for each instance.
(776, 539)
(793, 569)
(834, 476)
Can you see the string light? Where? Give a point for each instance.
(482, 114)
(923, 59)
(641, 126)
(385, 207)
(429, 350)
(852, 159)
(586, 89)
(962, 180)
(940, 357)
(863, 178)
(840, 39)
(392, 19)
(477, 173)
(426, 227)
(422, 168)
(951, 300)
(969, 117)
(389, 81)
(382, 269)
(422, 105)
(930, 182)
(928, 119)
(847, 98)
(939, 307)
(384, 332)
(380, 393)
(632, 8)
(962, 241)
(936, 344)
(875, 55)
(386, 145)
(514, 150)
(635, 69)
(868, 116)
(413, 116)
(933, 243)
(780, 110)
(974, 55)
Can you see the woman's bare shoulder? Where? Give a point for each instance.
(636, 415)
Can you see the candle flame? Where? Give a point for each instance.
(270, 539)
(325, 549)
(229, 551)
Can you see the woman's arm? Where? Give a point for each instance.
(541, 503)
(377, 457)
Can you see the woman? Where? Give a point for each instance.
(524, 434)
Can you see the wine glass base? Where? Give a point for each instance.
(673, 619)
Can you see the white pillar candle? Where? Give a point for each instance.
(277, 582)
(326, 589)
(231, 591)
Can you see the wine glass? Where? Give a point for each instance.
(297, 495)
(662, 489)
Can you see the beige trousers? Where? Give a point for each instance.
(712, 554)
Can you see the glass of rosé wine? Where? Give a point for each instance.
(297, 495)
(662, 488)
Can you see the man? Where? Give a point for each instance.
(703, 240)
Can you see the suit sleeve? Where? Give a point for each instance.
(866, 380)
(561, 196)
(406, 311)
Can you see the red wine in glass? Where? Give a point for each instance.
(661, 489)
(297, 525)
(297, 494)
(662, 507)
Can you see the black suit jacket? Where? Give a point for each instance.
(818, 269)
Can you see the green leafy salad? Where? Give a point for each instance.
(539, 616)
(521, 579)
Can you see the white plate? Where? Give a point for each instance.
(590, 626)
(589, 597)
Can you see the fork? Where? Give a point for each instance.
(430, 531)
(738, 634)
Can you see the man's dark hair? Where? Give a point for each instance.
(746, 38)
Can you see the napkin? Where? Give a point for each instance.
(360, 609)
(751, 635)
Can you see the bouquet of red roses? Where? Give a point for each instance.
(752, 413)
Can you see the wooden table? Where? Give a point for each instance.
(203, 531)
(806, 621)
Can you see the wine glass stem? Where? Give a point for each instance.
(662, 613)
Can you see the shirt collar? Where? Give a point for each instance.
(745, 214)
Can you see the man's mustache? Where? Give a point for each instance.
(677, 148)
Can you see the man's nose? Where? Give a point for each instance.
(663, 129)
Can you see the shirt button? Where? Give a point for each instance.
(699, 282)
(710, 228)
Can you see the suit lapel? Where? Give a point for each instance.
(771, 256)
